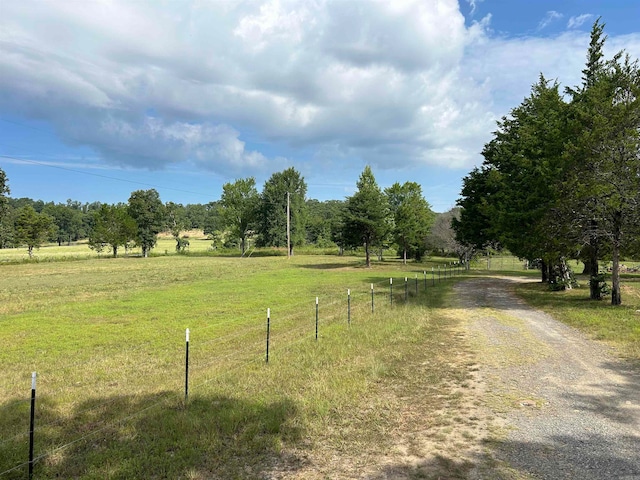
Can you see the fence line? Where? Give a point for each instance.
(284, 342)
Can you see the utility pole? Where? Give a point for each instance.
(288, 227)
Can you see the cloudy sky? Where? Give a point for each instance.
(100, 98)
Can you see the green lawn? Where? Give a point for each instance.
(107, 340)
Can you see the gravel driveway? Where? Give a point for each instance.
(564, 405)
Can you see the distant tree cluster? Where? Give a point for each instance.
(561, 176)
(371, 218)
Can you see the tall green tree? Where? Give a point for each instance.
(239, 208)
(272, 222)
(412, 218)
(528, 151)
(113, 228)
(6, 227)
(475, 227)
(367, 218)
(606, 183)
(148, 212)
(32, 228)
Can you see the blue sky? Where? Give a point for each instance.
(98, 99)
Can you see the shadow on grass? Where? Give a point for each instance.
(156, 436)
(438, 468)
(332, 266)
(588, 457)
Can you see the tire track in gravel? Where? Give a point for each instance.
(568, 407)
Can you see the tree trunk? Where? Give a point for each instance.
(366, 251)
(242, 243)
(115, 250)
(545, 272)
(404, 256)
(616, 297)
(592, 263)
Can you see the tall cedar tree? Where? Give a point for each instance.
(606, 184)
(527, 151)
(272, 223)
(367, 216)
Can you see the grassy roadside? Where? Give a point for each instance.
(618, 326)
(107, 339)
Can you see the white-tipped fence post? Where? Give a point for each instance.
(349, 306)
(268, 332)
(186, 367)
(406, 289)
(32, 423)
(316, 319)
(391, 291)
(372, 304)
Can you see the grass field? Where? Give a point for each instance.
(107, 340)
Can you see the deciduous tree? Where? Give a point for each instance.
(239, 208)
(412, 218)
(113, 227)
(148, 212)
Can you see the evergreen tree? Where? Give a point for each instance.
(272, 215)
(367, 219)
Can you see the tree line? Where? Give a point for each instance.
(397, 217)
(561, 176)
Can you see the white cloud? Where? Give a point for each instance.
(549, 18)
(230, 86)
(578, 21)
(473, 4)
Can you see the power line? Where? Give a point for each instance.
(34, 162)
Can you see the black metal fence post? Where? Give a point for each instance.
(32, 423)
(316, 319)
(268, 332)
(186, 368)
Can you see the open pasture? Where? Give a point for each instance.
(107, 340)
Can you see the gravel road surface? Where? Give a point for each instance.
(569, 409)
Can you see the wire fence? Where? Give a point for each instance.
(205, 359)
